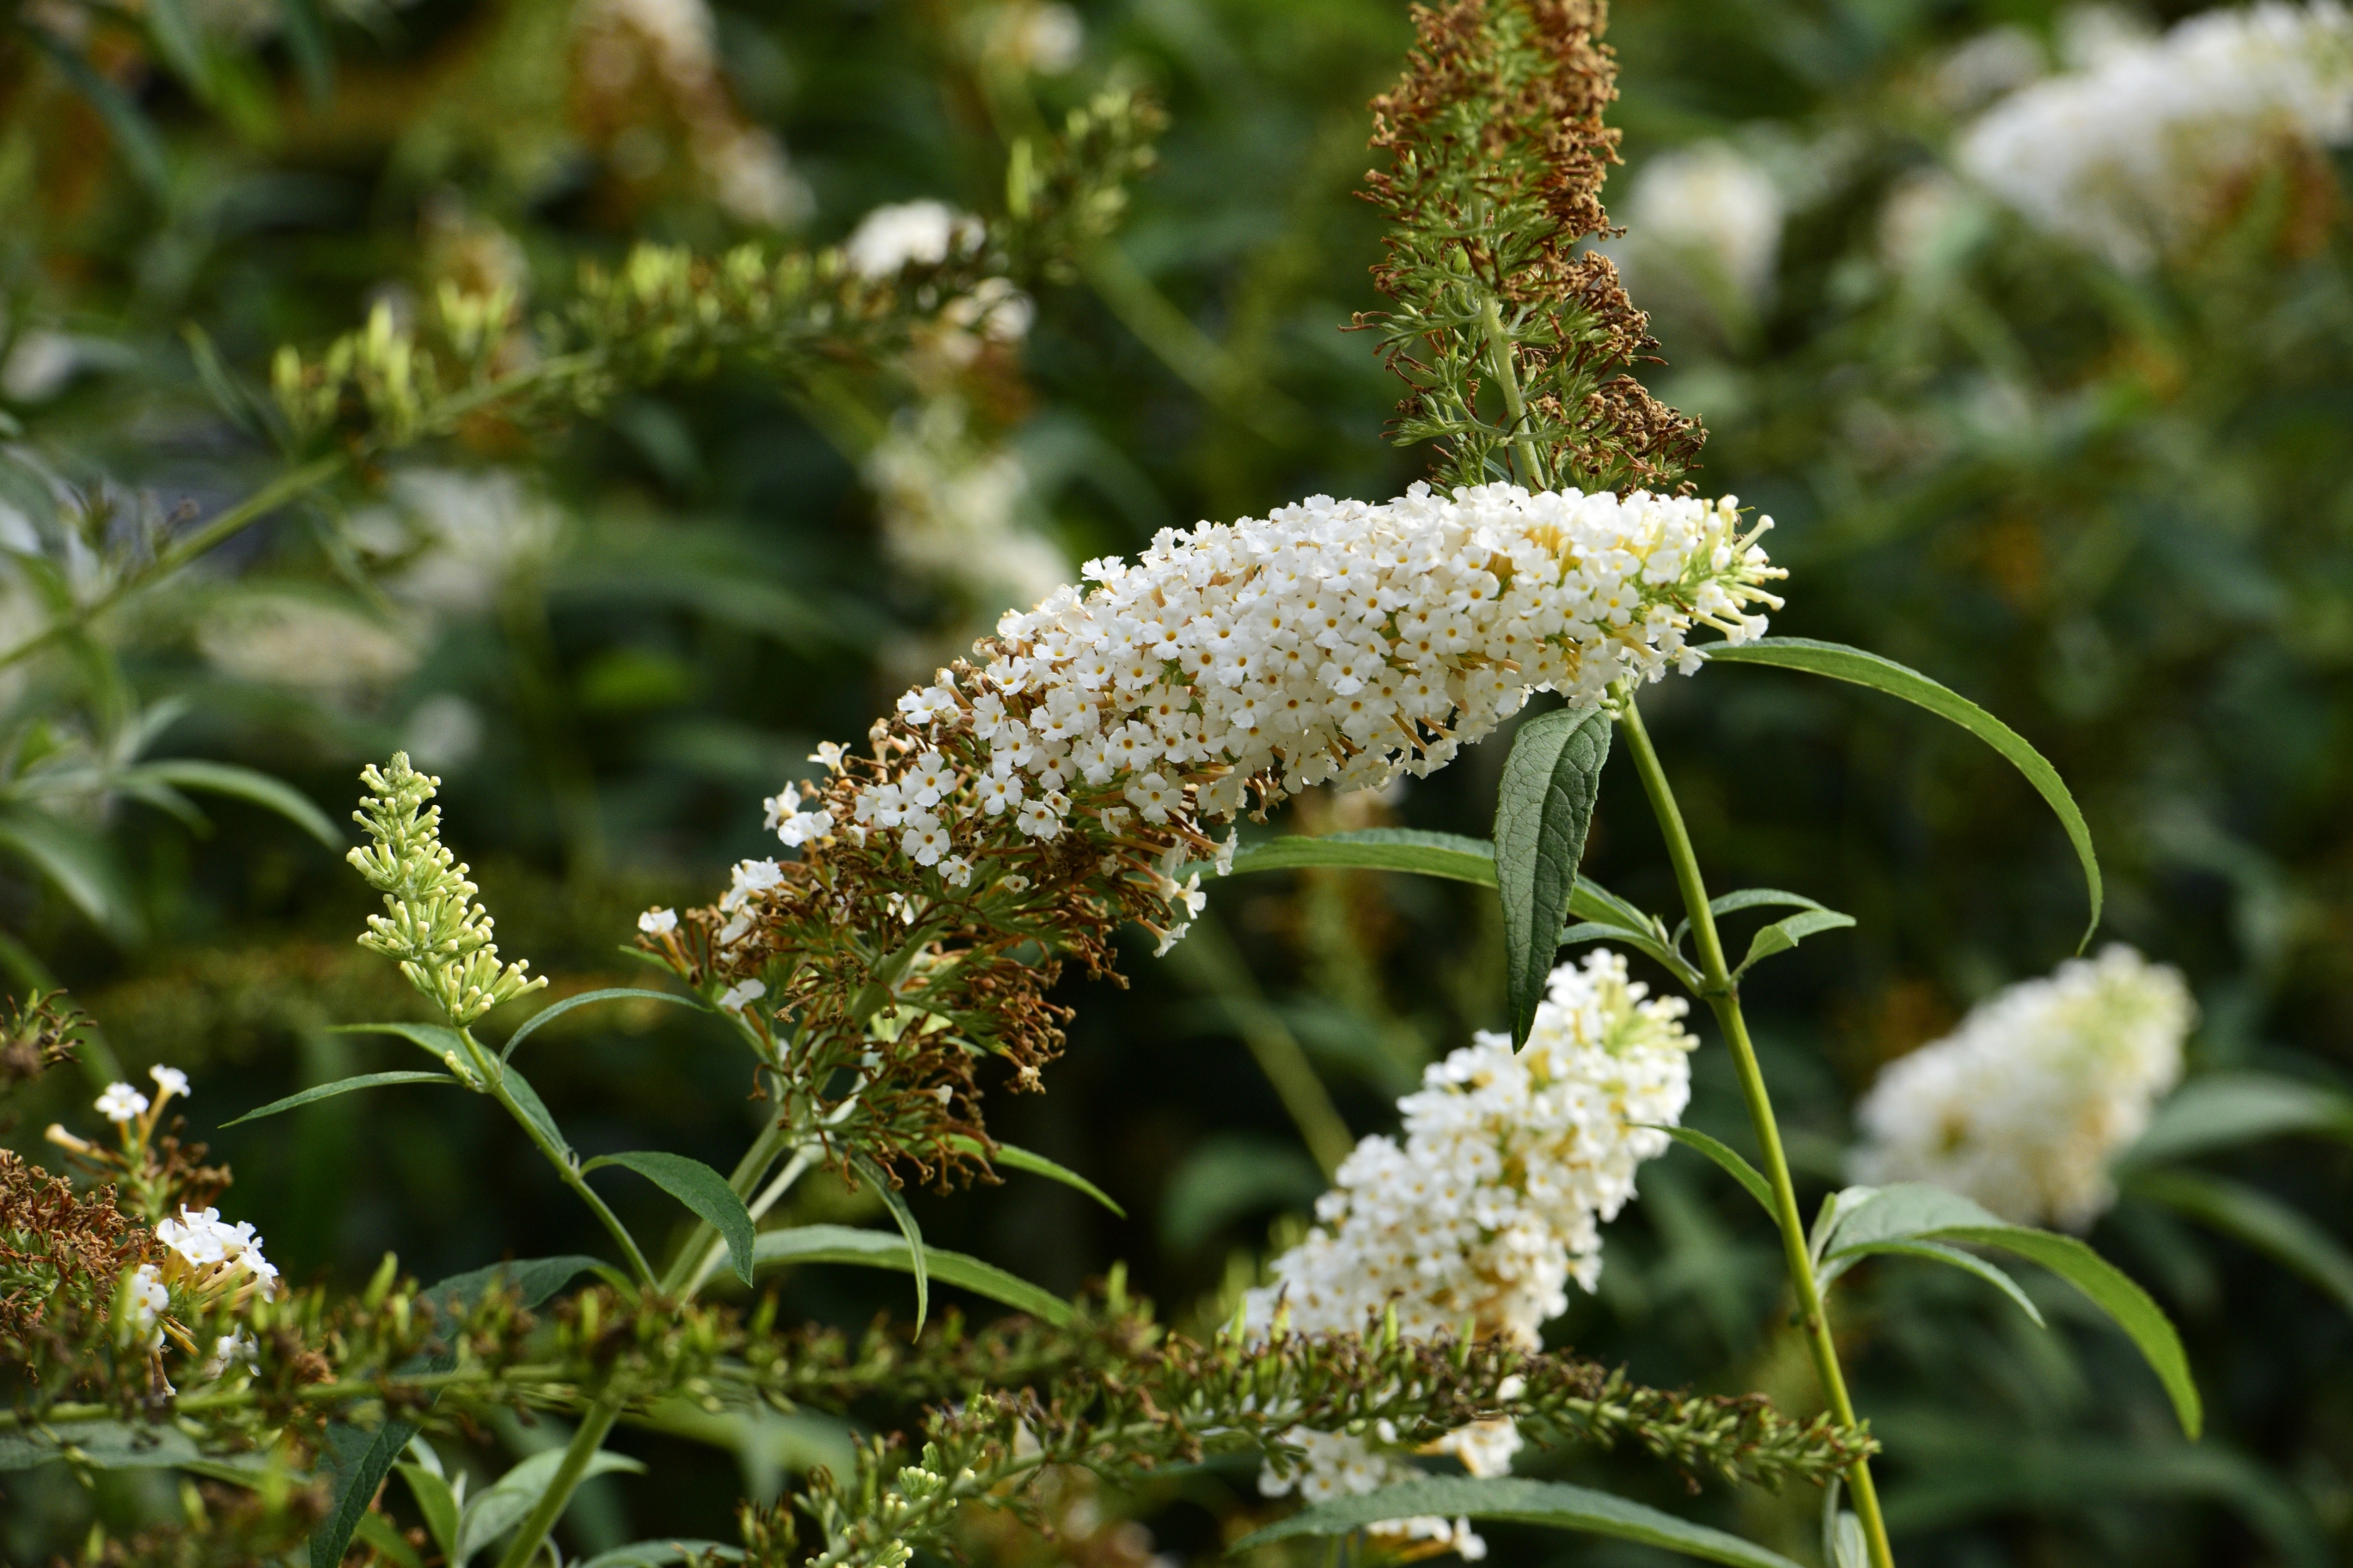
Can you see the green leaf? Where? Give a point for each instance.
(1784, 934)
(1912, 1211)
(1741, 898)
(246, 785)
(1551, 1503)
(2115, 1293)
(134, 135)
(879, 1249)
(361, 1460)
(1843, 663)
(439, 1043)
(661, 1554)
(1935, 1252)
(918, 1255)
(1037, 1166)
(1750, 1178)
(534, 1110)
(700, 1189)
(2223, 1110)
(436, 1503)
(500, 1507)
(112, 1444)
(341, 1085)
(306, 40)
(2258, 1219)
(1542, 813)
(534, 1280)
(549, 1015)
(177, 41)
(1448, 855)
(81, 865)
(379, 1532)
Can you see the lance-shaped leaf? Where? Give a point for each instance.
(700, 1189)
(1787, 933)
(1751, 1180)
(2223, 1110)
(532, 1025)
(918, 1255)
(2259, 1220)
(1448, 855)
(1555, 1504)
(244, 784)
(1016, 1159)
(1541, 814)
(1912, 1212)
(1843, 663)
(341, 1085)
(879, 1249)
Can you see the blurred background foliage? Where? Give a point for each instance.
(2115, 506)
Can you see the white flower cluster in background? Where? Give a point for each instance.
(1488, 1207)
(2129, 155)
(951, 508)
(2023, 1105)
(672, 45)
(898, 234)
(1704, 217)
(1334, 641)
(457, 538)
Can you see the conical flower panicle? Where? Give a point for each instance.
(1026, 803)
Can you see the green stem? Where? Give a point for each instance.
(701, 1247)
(532, 1534)
(1723, 998)
(1516, 404)
(239, 518)
(492, 1072)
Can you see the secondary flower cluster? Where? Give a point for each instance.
(1059, 784)
(2131, 156)
(1490, 1206)
(432, 927)
(2022, 1107)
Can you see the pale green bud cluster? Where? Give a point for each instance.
(433, 928)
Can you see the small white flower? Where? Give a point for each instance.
(657, 922)
(169, 1080)
(742, 994)
(956, 870)
(902, 234)
(122, 1104)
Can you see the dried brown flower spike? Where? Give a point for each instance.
(1515, 345)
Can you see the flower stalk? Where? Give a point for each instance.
(1723, 996)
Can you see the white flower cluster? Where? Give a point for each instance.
(1333, 641)
(2129, 156)
(206, 1258)
(2022, 1107)
(1492, 1204)
(1709, 215)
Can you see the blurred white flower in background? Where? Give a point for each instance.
(1706, 220)
(444, 731)
(951, 509)
(671, 47)
(459, 538)
(899, 234)
(2023, 1105)
(1925, 213)
(2000, 60)
(2136, 150)
(1044, 38)
(1492, 1204)
(290, 638)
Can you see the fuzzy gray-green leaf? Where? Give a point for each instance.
(1541, 814)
